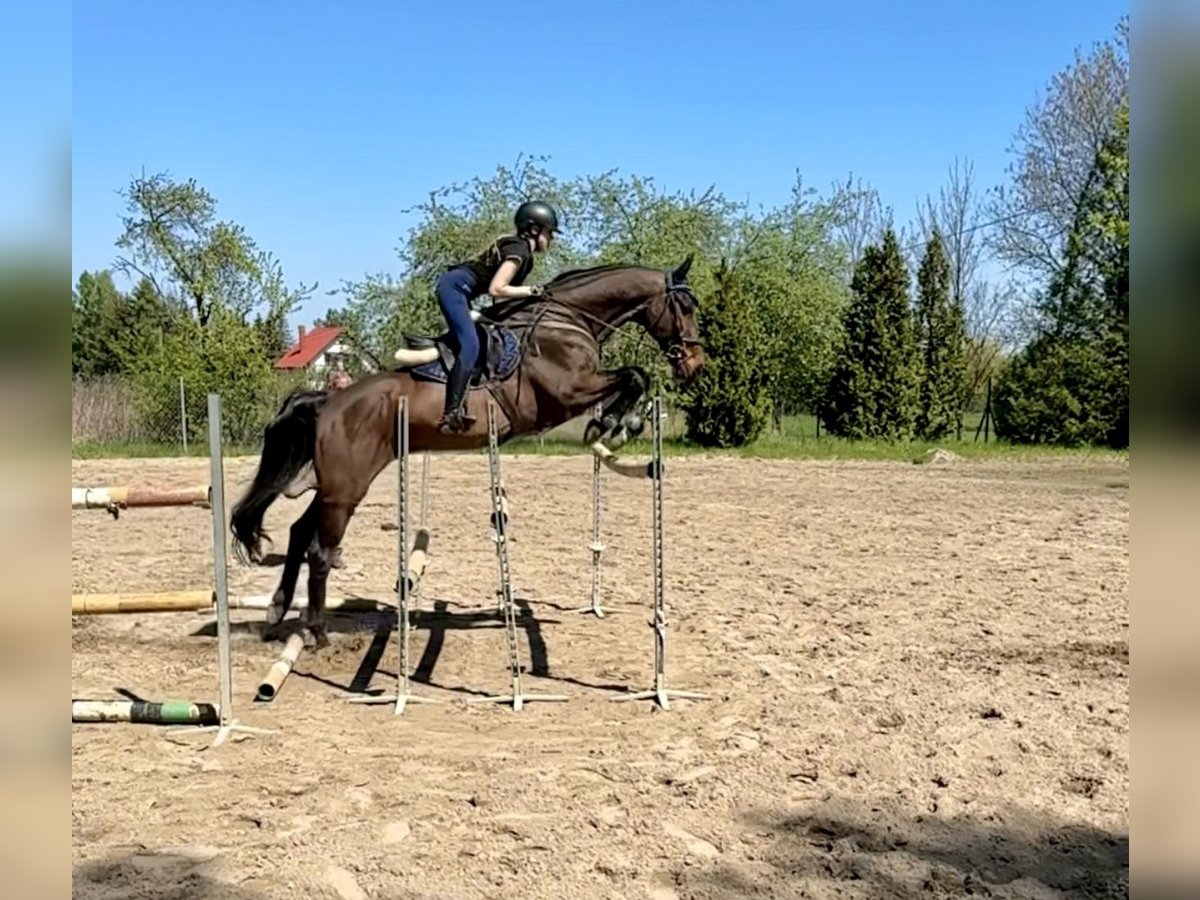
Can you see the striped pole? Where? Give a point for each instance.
(169, 712)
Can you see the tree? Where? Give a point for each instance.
(791, 261)
(631, 221)
(1055, 149)
(959, 216)
(1071, 384)
(941, 344)
(172, 238)
(727, 405)
(95, 314)
(112, 330)
(860, 219)
(456, 222)
(873, 390)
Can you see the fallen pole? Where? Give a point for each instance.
(170, 712)
(418, 559)
(114, 498)
(199, 601)
(158, 601)
(614, 462)
(280, 669)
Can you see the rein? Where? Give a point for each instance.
(548, 304)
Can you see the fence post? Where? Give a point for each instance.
(183, 415)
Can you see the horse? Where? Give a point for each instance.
(540, 364)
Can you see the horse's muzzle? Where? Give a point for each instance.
(688, 361)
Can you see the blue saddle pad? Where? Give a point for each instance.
(503, 359)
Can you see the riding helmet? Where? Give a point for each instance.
(536, 212)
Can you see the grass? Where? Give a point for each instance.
(796, 439)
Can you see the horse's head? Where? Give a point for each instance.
(606, 297)
(671, 320)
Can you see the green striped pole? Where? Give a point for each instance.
(169, 712)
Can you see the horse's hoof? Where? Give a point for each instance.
(634, 424)
(315, 638)
(592, 432)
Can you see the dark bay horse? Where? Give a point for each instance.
(541, 367)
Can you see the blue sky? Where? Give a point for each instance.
(35, 106)
(315, 124)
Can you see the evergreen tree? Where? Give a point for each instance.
(1071, 384)
(146, 319)
(728, 404)
(941, 345)
(873, 390)
(95, 325)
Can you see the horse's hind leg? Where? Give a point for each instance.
(332, 519)
(300, 538)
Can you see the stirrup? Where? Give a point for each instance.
(455, 421)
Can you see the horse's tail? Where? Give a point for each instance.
(289, 444)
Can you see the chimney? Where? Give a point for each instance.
(300, 340)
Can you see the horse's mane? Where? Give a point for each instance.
(572, 276)
(504, 309)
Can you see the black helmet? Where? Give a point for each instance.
(535, 212)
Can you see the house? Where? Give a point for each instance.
(315, 351)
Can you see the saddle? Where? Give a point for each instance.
(499, 355)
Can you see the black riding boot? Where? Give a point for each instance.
(455, 417)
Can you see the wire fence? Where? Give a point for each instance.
(115, 416)
(111, 415)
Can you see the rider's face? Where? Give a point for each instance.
(543, 238)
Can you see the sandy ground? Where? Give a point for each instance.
(919, 679)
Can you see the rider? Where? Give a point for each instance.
(499, 271)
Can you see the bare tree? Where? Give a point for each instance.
(959, 216)
(860, 218)
(1055, 148)
(988, 310)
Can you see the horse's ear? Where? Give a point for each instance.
(680, 274)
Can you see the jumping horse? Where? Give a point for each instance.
(540, 364)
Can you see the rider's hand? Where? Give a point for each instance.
(536, 290)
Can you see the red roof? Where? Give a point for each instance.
(311, 345)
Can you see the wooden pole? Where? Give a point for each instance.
(201, 601)
(269, 687)
(109, 498)
(163, 601)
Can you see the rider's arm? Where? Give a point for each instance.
(500, 287)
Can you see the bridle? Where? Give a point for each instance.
(674, 348)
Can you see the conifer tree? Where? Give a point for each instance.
(941, 345)
(873, 391)
(728, 404)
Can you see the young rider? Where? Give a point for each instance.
(500, 271)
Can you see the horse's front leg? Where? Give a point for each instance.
(619, 419)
